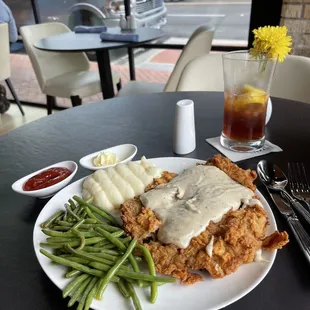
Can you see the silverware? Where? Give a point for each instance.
(274, 178)
(299, 185)
(299, 232)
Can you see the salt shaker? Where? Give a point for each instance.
(184, 140)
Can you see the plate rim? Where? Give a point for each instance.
(232, 300)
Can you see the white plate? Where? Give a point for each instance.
(206, 295)
(124, 153)
(48, 191)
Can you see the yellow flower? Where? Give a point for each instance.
(271, 41)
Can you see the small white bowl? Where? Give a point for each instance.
(124, 153)
(48, 191)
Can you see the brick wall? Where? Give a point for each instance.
(296, 17)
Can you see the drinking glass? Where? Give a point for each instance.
(247, 82)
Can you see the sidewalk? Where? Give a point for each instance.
(156, 69)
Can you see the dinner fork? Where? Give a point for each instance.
(298, 182)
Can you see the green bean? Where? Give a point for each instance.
(72, 204)
(133, 275)
(54, 233)
(78, 224)
(105, 226)
(90, 286)
(91, 249)
(90, 221)
(80, 211)
(111, 238)
(77, 266)
(65, 223)
(71, 243)
(86, 258)
(72, 273)
(91, 296)
(60, 239)
(122, 247)
(95, 209)
(92, 257)
(111, 252)
(91, 215)
(72, 213)
(102, 243)
(104, 283)
(81, 236)
(108, 247)
(77, 259)
(84, 214)
(51, 219)
(151, 266)
(135, 267)
(68, 289)
(60, 217)
(133, 296)
(65, 216)
(79, 291)
(118, 233)
(85, 226)
(124, 240)
(61, 228)
(122, 288)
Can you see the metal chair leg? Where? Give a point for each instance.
(76, 100)
(12, 90)
(51, 102)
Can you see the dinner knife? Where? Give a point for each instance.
(288, 213)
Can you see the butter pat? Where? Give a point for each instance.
(105, 159)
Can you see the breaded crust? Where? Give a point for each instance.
(237, 237)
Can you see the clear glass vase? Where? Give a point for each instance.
(247, 82)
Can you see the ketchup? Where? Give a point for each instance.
(46, 178)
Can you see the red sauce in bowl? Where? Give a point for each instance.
(46, 178)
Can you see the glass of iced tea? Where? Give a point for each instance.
(247, 83)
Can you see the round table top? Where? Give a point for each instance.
(146, 121)
(82, 42)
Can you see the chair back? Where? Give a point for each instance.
(204, 73)
(5, 69)
(199, 44)
(48, 65)
(291, 79)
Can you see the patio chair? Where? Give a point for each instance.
(61, 74)
(5, 68)
(199, 44)
(290, 81)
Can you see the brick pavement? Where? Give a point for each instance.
(27, 87)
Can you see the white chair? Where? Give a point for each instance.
(290, 81)
(5, 68)
(199, 44)
(204, 73)
(61, 74)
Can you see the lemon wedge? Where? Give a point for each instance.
(251, 94)
(247, 88)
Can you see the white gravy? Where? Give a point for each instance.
(188, 203)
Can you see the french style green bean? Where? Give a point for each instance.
(103, 284)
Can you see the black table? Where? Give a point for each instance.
(146, 121)
(86, 42)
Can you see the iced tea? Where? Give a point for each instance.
(245, 114)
